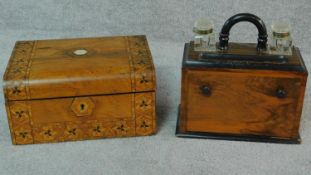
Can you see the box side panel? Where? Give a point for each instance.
(299, 108)
(17, 71)
(19, 115)
(184, 90)
(145, 113)
(184, 100)
(141, 63)
(8, 112)
(80, 118)
(243, 102)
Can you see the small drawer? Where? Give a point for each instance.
(237, 102)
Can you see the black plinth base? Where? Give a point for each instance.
(234, 137)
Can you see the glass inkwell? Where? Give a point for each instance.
(204, 36)
(281, 40)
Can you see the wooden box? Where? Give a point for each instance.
(241, 94)
(76, 89)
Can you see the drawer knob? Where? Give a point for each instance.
(280, 93)
(206, 90)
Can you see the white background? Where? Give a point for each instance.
(168, 25)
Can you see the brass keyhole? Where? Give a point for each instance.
(82, 107)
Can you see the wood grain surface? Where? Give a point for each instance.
(242, 102)
(106, 90)
(50, 69)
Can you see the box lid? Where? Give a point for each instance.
(243, 56)
(79, 67)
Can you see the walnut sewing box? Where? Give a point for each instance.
(77, 89)
(241, 91)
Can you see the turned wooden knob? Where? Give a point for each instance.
(280, 93)
(206, 90)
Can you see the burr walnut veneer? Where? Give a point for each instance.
(76, 89)
(242, 91)
(239, 99)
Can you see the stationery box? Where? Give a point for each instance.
(242, 91)
(77, 89)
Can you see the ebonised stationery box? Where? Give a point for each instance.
(241, 91)
(76, 89)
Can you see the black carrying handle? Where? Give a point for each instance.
(262, 31)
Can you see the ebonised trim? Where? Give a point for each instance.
(236, 64)
(205, 56)
(261, 27)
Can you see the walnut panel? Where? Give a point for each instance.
(242, 102)
(53, 120)
(50, 69)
